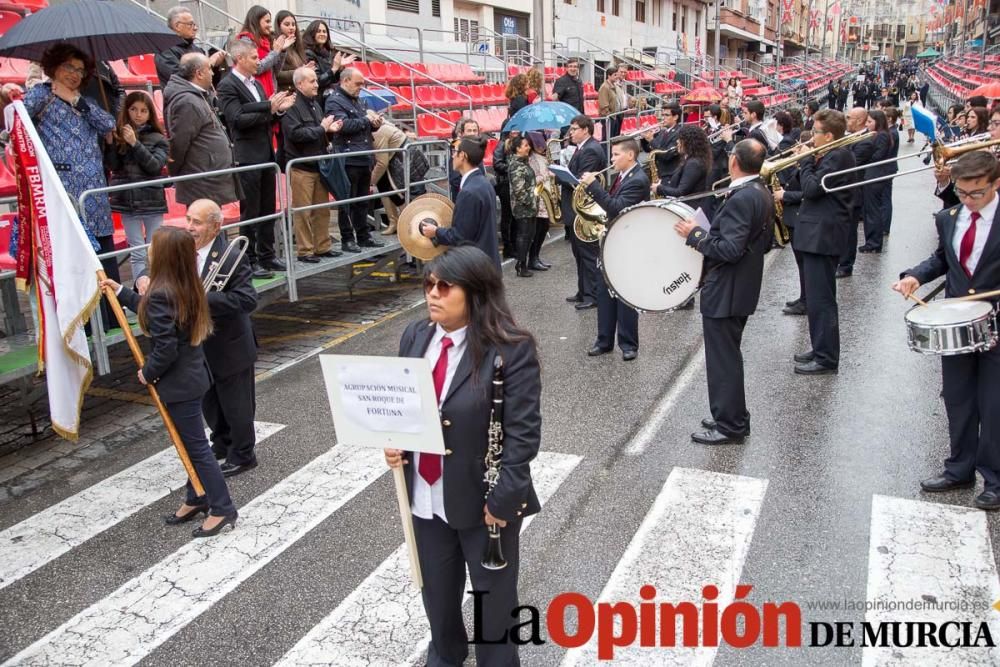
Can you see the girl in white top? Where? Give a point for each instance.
(734, 91)
(908, 114)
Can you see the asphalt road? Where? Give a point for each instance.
(796, 522)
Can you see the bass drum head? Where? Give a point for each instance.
(645, 263)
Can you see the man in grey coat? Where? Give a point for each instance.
(198, 140)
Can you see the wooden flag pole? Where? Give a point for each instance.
(133, 345)
(407, 518)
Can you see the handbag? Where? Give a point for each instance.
(334, 177)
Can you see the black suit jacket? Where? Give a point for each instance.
(944, 261)
(692, 177)
(881, 150)
(734, 249)
(824, 217)
(474, 218)
(664, 140)
(634, 188)
(465, 417)
(249, 121)
(232, 347)
(862, 151)
(948, 196)
(177, 368)
(589, 156)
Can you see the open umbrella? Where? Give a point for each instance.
(990, 91)
(103, 29)
(929, 52)
(702, 95)
(542, 116)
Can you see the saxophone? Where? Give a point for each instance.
(493, 557)
(552, 206)
(651, 167)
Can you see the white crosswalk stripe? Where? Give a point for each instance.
(386, 605)
(923, 552)
(30, 544)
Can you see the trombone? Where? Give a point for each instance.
(942, 154)
(215, 280)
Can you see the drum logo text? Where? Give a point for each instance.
(681, 279)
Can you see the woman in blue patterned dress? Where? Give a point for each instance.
(74, 130)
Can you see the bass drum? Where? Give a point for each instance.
(645, 263)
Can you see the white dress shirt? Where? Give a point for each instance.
(203, 257)
(248, 82)
(428, 499)
(983, 226)
(461, 185)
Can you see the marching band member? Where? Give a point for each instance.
(589, 157)
(630, 187)
(742, 230)
(857, 120)
(469, 324)
(696, 163)
(755, 120)
(945, 187)
(665, 140)
(969, 256)
(821, 236)
(876, 195)
(174, 314)
(789, 195)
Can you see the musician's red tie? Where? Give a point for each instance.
(430, 464)
(614, 187)
(968, 240)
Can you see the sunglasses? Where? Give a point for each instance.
(443, 286)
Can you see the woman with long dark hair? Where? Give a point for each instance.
(470, 328)
(874, 195)
(977, 120)
(329, 61)
(257, 29)
(692, 175)
(295, 55)
(139, 154)
(174, 314)
(523, 201)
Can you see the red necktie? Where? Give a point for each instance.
(614, 188)
(965, 247)
(430, 464)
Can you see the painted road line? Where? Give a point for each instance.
(131, 622)
(43, 537)
(697, 533)
(941, 557)
(382, 621)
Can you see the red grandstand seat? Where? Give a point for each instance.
(13, 70)
(491, 145)
(396, 73)
(441, 97)
(7, 20)
(176, 212)
(8, 183)
(429, 125)
(144, 66)
(590, 108)
(158, 103)
(363, 68)
(126, 77)
(377, 71)
(629, 124)
(466, 74)
(498, 96)
(421, 74)
(463, 95)
(425, 96)
(404, 98)
(7, 263)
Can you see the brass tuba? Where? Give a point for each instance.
(591, 220)
(552, 206)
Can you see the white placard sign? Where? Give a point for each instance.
(383, 402)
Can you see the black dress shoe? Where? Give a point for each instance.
(174, 520)
(261, 272)
(814, 368)
(232, 469)
(350, 246)
(576, 298)
(687, 305)
(713, 437)
(843, 273)
(709, 423)
(793, 302)
(537, 266)
(523, 272)
(219, 456)
(597, 351)
(229, 520)
(629, 355)
(584, 305)
(804, 357)
(987, 500)
(798, 308)
(329, 253)
(274, 265)
(371, 243)
(308, 259)
(544, 263)
(869, 248)
(944, 483)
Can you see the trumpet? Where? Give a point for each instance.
(941, 155)
(215, 280)
(591, 220)
(716, 136)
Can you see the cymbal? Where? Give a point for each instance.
(442, 198)
(425, 208)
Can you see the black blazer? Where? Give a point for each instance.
(465, 417)
(177, 368)
(692, 177)
(589, 156)
(944, 262)
(948, 196)
(758, 134)
(232, 347)
(301, 132)
(664, 140)
(792, 197)
(734, 247)
(249, 122)
(475, 218)
(824, 217)
(633, 189)
(881, 150)
(862, 151)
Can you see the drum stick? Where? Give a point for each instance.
(983, 295)
(916, 298)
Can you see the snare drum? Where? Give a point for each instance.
(645, 263)
(949, 326)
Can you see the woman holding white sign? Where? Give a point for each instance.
(486, 375)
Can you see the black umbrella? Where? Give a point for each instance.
(103, 29)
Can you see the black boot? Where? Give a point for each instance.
(523, 244)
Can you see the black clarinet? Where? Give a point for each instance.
(493, 557)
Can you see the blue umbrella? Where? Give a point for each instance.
(377, 100)
(542, 116)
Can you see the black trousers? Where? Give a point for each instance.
(878, 212)
(724, 368)
(972, 399)
(585, 255)
(229, 406)
(444, 554)
(613, 316)
(508, 226)
(186, 416)
(541, 231)
(821, 307)
(258, 200)
(848, 258)
(353, 218)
